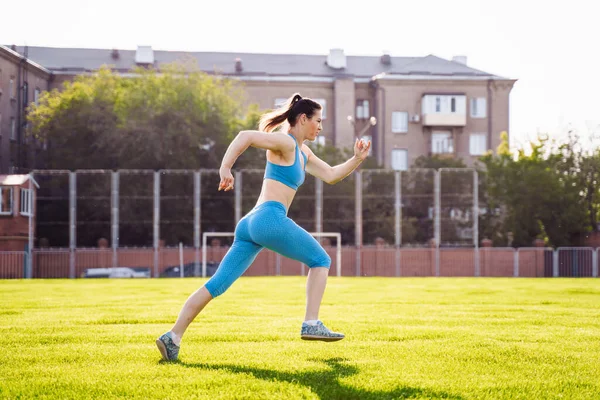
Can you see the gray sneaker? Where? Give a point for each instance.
(168, 349)
(319, 332)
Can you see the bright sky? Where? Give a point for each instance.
(551, 49)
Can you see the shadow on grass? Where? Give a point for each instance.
(325, 383)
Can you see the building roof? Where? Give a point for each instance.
(77, 60)
(8, 52)
(16, 180)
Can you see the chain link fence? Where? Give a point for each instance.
(420, 222)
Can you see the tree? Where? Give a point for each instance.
(538, 193)
(178, 118)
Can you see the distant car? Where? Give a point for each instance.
(188, 270)
(118, 272)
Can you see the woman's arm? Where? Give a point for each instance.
(244, 139)
(332, 175)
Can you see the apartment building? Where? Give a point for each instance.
(22, 81)
(408, 106)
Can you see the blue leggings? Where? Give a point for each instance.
(266, 226)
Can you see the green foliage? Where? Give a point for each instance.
(176, 118)
(549, 192)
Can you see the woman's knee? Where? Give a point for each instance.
(216, 288)
(322, 259)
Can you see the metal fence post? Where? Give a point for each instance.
(398, 212)
(238, 196)
(318, 205)
(437, 216)
(516, 264)
(197, 214)
(72, 222)
(358, 218)
(115, 217)
(555, 263)
(156, 222)
(476, 222)
(32, 212)
(595, 262)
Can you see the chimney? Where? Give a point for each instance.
(238, 65)
(336, 59)
(115, 54)
(144, 55)
(386, 59)
(460, 59)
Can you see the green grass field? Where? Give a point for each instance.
(454, 338)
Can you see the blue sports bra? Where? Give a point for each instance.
(290, 175)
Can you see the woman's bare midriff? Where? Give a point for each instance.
(276, 191)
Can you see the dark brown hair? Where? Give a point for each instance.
(289, 111)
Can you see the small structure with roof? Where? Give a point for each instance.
(17, 207)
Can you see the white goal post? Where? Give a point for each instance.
(336, 235)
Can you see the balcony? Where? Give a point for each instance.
(444, 110)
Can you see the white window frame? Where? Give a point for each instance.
(362, 109)
(320, 140)
(442, 143)
(279, 101)
(475, 146)
(478, 107)
(442, 104)
(13, 129)
(399, 122)
(36, 96)
(323, 104)
(4, 209)
(26, 202)
(394, 160)
(11, 88)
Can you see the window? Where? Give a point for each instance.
(444, 104)
(399, 122)
(367, 139)
(25, 93)
(11, 88)
(13, 129)
(362, 109)
(26, 202)
(442, 143)
(280, 101)
(6, 200)
(478, 107)
(320, 140)
(400, 159)
(36, 96)
(24, 134)
(323, 104)
(477, 144)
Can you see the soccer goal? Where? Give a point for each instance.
(335, 235)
